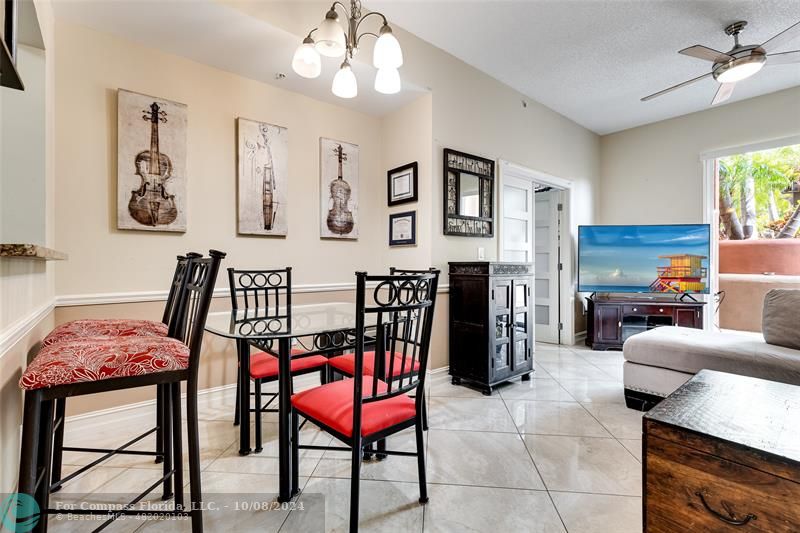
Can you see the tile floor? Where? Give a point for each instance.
(557, 453)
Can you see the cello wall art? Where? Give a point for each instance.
(151, 163)
(339, 189)
(263, 177)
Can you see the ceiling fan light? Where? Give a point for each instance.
(306, 61)
(387, 52)
(344, 83)
(387, 81)
(739, 69)
(330, 39)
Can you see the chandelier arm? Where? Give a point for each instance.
(385, 22)
(358, 40)
(344, 8)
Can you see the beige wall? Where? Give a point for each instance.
(91, 66)
(653, 174)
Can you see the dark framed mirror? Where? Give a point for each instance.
(468, 195)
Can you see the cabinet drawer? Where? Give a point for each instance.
(734, 497)
(647, 310)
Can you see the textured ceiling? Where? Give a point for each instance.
(592, 60)
(208, 32)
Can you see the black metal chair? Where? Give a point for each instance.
(82, 367)
(115, 328)
(268, 293)
(365, 409)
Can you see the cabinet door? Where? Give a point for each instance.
(688, 318)
(522, 339)
(609, 322)
(501, 307)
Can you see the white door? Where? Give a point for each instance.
(517, 224)
(546, 260)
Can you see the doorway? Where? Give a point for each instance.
(531, 229)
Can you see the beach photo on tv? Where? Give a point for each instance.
(645, 259)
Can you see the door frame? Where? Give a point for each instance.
(569, 237)
(708, 160)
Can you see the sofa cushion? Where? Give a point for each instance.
(779, 321)
(690, 350)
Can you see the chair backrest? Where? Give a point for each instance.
(268, 290)
(411, 271)
(194, 302)
(400, 311)
(176, 286)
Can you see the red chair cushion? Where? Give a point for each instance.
(332, 404)
(265, 365)
(81, 329)
(346, 364)
(92, 360)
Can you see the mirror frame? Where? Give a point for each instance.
(454, 223)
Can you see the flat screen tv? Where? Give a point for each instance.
(671, 259)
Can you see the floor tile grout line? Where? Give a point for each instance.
(536, 467)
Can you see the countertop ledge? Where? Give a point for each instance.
(31, 251)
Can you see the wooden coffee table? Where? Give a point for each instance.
(722, 453)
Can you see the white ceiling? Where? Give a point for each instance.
(226, 38)
(592, 60)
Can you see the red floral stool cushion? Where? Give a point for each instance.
(92, 360)
(113, 328)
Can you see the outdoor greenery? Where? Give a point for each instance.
(756, 194)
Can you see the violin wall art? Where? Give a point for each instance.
(151, 163)
(263, 178)
(339, 189)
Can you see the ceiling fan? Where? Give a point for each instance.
(740, 62)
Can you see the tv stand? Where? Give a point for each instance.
(612, 319)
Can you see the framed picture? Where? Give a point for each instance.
(468, 195)
(403, 228)
(262, 178)
(339, 189)
(402, 184)
(151, 163)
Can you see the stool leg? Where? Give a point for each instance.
(257, 385)
(177, 442)
(58, 440)
(45, 451)
(166, 442)
(193, 434)
(29, 454)
(159, 423)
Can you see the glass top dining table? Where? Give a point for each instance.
(324, 328)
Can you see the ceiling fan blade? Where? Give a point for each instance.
(703, 52)
(723, 93)
(792, 32)
(668, 89)
(784, 58)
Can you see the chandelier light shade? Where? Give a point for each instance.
(387, 52)
(331, 39)
(344, 83)
(387, 81)
(306, 61)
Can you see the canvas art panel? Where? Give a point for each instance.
(338, 189)
(151, 163)
(263, 178)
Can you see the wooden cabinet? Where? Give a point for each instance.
(491, 326)
(714, 460)
(611, 320)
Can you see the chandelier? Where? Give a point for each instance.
(332, 40)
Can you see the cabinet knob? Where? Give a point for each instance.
(635, 309)
(661, 310)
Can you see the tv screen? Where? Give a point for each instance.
(670, 259)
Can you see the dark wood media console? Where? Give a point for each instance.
(612, 319)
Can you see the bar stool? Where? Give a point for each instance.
(269, 294)
(92, 366)
(110, 328)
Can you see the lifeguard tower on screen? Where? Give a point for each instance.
(685, 273)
